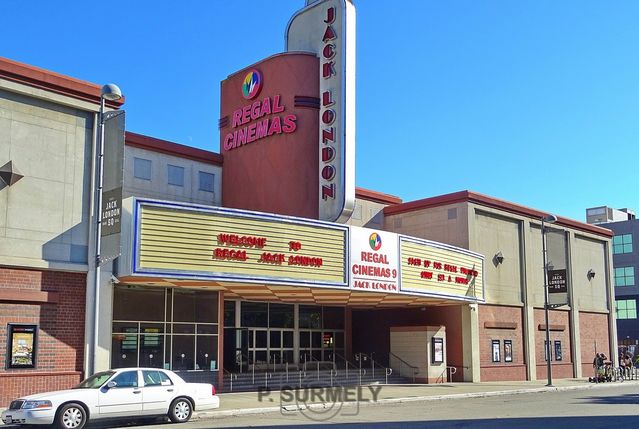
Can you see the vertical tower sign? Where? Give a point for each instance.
(327, 28)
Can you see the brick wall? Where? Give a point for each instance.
(558, 319)
(510, 322)
(594, 338)
(60, 341)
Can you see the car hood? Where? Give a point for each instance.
(58, 394)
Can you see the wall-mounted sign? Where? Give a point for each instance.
(113, 171)
(557, 288)
(374, 260)
(258, 120)
(328, 28)
(437, 269)
(232, 245)
(22, 346)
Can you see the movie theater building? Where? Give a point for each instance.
(266, 257)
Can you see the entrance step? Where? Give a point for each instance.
(280, 380)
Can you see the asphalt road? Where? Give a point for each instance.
(607, 407)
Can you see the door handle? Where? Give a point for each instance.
(169, 390)
(137, 391)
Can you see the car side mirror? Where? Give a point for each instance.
(111, 384)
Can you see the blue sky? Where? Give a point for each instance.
(535, 102)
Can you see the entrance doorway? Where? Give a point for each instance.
(236, 346)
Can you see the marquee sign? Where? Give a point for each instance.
(434, 268)
(327, 28)
(231, 245)
(374, 260)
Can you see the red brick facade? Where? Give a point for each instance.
(501, 323)
(593, 331)
(55, 301)
(559, 323)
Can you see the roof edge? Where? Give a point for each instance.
(164, 146)
(485, 200)
(55, 82)
(377, 197)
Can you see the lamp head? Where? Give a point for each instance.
(550, 218)
(111, 92)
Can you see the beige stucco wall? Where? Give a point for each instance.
(44, 217)
(494, 234)
(591, 295)
(446, 224)
(367, 214)
(158, 187)
(412, 344)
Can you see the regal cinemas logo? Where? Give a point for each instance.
(259, 119)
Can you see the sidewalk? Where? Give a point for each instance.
(234, 404)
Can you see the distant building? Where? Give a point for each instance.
(625, 255)
(605, 214)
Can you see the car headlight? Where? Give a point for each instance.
(29, 405)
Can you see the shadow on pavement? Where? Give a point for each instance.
(582, 422)
(632, 399)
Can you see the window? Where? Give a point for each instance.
(625, 276)
(142, 168)
(165, 328)
(207, 181)
(175, 175)
(622, 244)
(626, 308)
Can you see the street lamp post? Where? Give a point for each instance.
(546, 219)
(109, 92)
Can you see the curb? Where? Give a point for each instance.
(208, 415)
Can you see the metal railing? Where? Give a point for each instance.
(363, 358)
(232, 376)
(346, 363)
(403, 364)
(450, 371)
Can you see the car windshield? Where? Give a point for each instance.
(96, 380)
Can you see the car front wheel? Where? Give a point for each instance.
(180, 411)
(71, 416)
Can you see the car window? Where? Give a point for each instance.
(95, 381)
(156, 378)
(164, 379)
(126, 379)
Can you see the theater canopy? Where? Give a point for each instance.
(263, 256)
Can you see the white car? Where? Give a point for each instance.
(125, 392)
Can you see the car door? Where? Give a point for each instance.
(124, 399)
(157, 393)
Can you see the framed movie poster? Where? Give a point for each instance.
(547, 347)
(496, 351)
(438, 350)
(22, 346)
(557, 350)
(508, 350)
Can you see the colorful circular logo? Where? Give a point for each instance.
(252, 84)
(375, 241)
